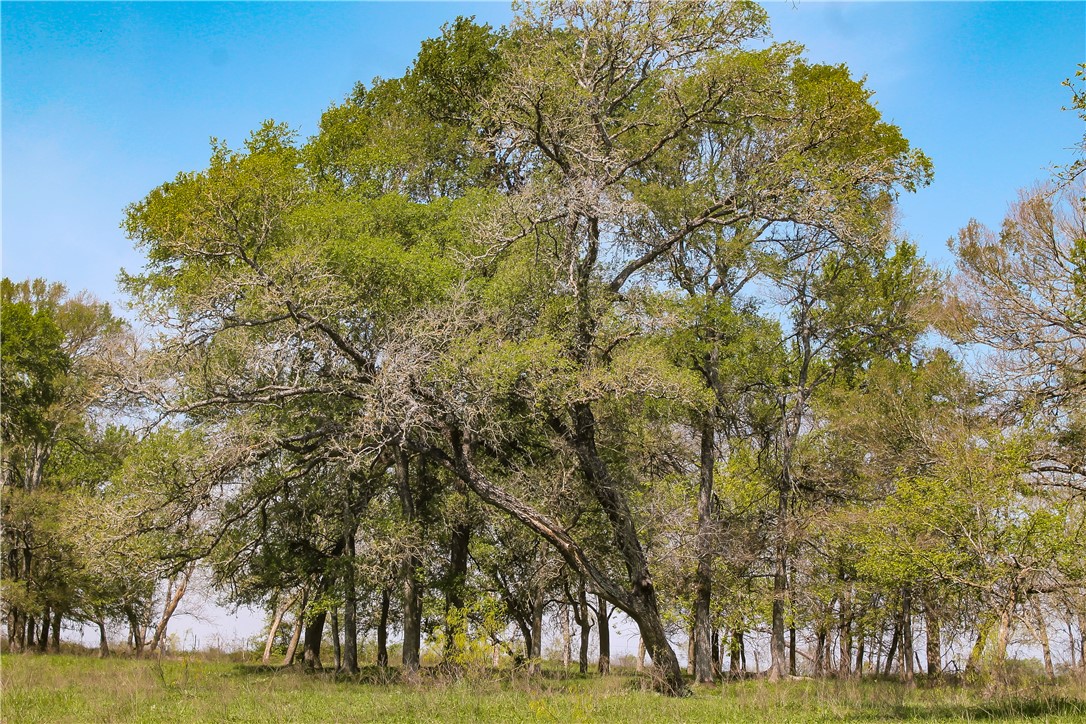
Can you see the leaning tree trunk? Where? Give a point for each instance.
(292, 647)
(643, 606)
(638, 602)
(280, 611)
(172, 600)
(895, 638)
(703, 655)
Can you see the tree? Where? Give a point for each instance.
(56, 351)
(456, 270)
(1021, 294)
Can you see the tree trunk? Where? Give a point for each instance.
(860, 641)
(135, 630)
(792, 648)
(292, 647)
(1082, 639)
(171, 604)
(640, 655)
(972, 665)
(535, 655)
(603, 621)
(1042, 635)
(31, 632)
(382, 629)
(459, 545)
(733, 653)
(906, 635)
(844, 663)
(337, 651)
(311, 649)
(43, 636)
(639, 602)
(584, 621)
(567, 639)
(412, 609)
(103, 644)
(894, 638)
(703, 587)
(1071, 641)
(820, 650)
(933, 647)
(780, 592)
(280, 611)
(690, 653)
(1006, 618)
(642, 603)
(717, 668)
(350, 599)
(54, 644)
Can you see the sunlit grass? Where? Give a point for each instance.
(70, 688)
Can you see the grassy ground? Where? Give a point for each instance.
(68, 688)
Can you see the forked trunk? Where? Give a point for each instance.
(174, 594)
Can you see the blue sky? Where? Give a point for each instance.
(102, 102)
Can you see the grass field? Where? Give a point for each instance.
(69, 688)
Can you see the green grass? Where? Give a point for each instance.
(67, 688)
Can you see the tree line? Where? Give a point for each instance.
(605, 310)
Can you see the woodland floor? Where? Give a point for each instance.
(69, 688)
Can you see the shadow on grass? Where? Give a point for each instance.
(1004, 710)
